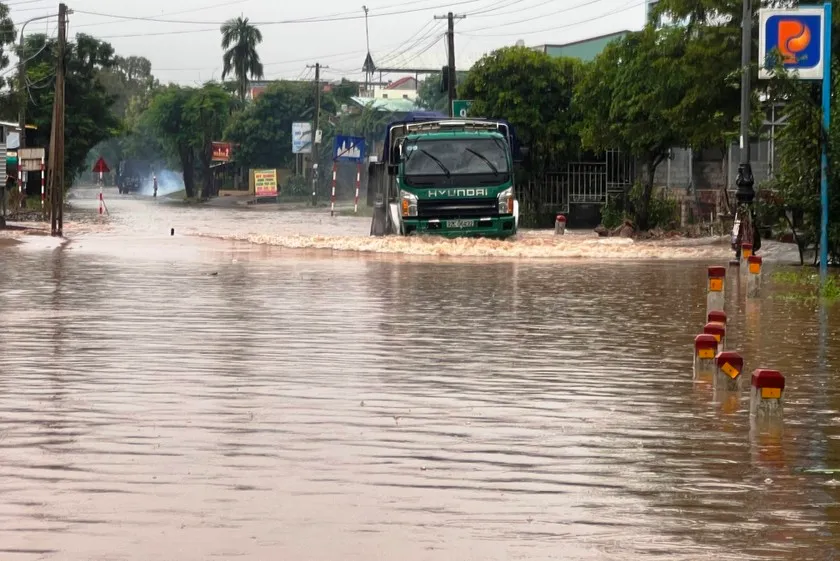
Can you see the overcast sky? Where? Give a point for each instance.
(186, 48)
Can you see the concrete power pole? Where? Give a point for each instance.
(315, 139)
(56, 164)
(450, 41)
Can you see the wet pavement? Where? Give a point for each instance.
(192, 398)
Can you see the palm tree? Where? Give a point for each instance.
(240, 39)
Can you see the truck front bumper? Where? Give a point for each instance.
(497, 226)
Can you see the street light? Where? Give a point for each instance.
(22, 80)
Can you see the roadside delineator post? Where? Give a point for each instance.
(20, 185)
(729, 366)
(705, 350)
(718, 331)
(718, 316)
(767, 393)
(716, 297)
(746, 253)
(43, 184)
(358, 184)
(753, 276)
(101, 201)
(559, 225)
(332, 196)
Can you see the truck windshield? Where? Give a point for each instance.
(462, 156)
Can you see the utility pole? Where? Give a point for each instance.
(450, 40)
(745, 180)
(315, 139)
(56, 164)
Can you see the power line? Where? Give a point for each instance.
(316, 19)
(560, 11)
(626, 7)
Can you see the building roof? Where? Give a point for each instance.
(397, 83)
(585, 49)
(389, 105)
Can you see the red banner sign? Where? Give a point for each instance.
(221, 151)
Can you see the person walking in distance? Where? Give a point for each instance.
(155, 186)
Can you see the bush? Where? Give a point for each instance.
(663, 212)
(296, 187)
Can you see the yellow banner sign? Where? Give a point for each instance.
(265, 182)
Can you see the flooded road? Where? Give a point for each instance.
(185, 398)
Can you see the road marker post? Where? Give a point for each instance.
(767, 393)
(705, 350)
(718, 331)
(358, 185)
(560, 225)
(716, 296)
(718, 316)
(753, 276)
(332, 196)
(729, 366)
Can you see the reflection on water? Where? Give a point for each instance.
(167, 398)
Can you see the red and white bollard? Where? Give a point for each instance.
(358, 184)
(332, 196)
(20, 184)
(560, 225)
(101, 201)
(43, 184)
(718, 316)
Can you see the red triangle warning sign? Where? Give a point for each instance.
(100, 166)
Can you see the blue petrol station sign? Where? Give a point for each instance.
(797, 37)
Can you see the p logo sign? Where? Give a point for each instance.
(794, 40)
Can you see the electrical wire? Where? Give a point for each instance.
(434, 31)
(541, 16)
(321, 19)
(626, 7)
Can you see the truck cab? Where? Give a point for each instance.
(448, 177)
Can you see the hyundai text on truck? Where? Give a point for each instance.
(445, 177)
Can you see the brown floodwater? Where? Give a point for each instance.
(186, 398)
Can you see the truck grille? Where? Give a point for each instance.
(457, 208)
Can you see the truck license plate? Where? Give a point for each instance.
(460, 223)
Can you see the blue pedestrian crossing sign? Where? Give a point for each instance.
(793, 38)
(349, 149)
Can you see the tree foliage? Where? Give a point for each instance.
(429, 95)
(240, 40)
(186, 121)
(635, 98)
(532, 91)
(263, 130)
(89, 118)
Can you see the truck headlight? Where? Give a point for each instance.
(506, 201)
(408, 203)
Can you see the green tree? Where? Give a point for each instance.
(240, 39)
(262, 132)
(630, 99)
(128, 78)
(186, 121)
(89, 118)
(532, 91)
(429, 95)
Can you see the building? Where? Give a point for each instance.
(403, 88)
(585, 50)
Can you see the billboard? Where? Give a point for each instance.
(796, 36)
(221, 151)
(31, 158)
(265, 182)
(349, 149)
(301, 138)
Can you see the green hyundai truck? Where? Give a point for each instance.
(445, 177)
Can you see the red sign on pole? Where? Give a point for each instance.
(100, 166)
(221, 151)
